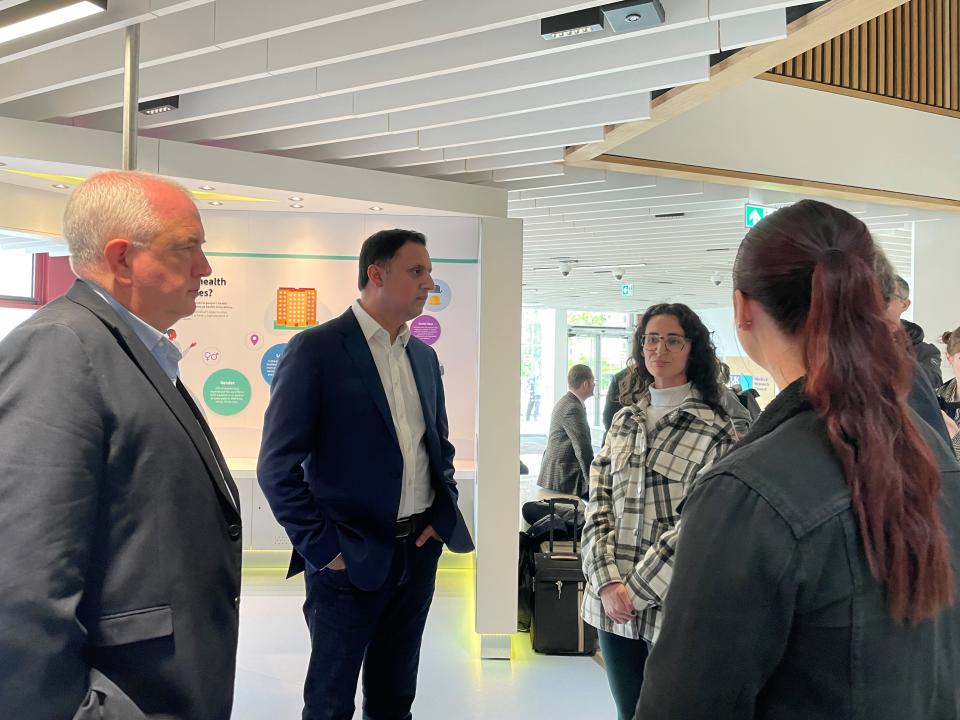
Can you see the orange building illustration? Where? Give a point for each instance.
(296, 307)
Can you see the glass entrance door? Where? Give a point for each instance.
(606, 351)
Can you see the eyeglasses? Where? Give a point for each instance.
(674, 343)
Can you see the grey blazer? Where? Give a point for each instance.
(566, 461)
(120, 537)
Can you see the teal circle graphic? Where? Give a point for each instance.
(227, 392)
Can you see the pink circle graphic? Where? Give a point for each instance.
(425, 328)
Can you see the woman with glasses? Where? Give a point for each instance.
(816, 572)
(670, 427)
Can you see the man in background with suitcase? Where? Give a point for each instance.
(566, 460)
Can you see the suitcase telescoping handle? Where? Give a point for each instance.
(553, 502)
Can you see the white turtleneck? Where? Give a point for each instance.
(663, 402)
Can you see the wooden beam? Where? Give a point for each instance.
(818, 26)
(813, 188)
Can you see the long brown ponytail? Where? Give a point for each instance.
(811, 267)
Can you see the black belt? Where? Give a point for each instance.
(411, 526)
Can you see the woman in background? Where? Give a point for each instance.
(948, 393)
(670, 427)
(816, 575)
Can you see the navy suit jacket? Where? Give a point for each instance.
(330, 464)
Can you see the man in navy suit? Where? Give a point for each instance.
(357, 468)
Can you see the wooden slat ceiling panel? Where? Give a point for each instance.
(909, 55)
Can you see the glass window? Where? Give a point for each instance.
(16, 274)
(537, 351)
(11, 317)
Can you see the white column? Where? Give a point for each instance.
(936, 277)
(560, 367)
(497, 490)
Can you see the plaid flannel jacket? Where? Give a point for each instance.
(636, 484)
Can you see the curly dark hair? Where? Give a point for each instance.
(703, 368)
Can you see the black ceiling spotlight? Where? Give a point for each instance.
(632, 15)
(622, 16)
(572, 23)
(160, 105)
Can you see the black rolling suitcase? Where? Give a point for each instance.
(558, 587)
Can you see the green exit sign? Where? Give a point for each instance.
(626, 290)
(752, 214)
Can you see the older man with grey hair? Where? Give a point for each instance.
(119, 521)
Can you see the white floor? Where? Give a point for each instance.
(454, 682)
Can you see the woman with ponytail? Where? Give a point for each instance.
(816, 572)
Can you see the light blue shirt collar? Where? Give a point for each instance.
(156, 342)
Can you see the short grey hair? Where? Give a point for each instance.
(886, 275)
(112, 204)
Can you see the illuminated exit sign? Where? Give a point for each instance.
(752, 214)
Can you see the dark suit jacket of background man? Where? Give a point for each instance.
(566, 461)
(119, 538)
(328, 405)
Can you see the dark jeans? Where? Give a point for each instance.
(624, 660)
(378, 630)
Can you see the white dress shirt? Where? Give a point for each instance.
(396, 375)
(159, 345)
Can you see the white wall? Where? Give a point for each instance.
(776, 129)
(497, 493)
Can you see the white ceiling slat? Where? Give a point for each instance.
(220, 68)
(349, 149)
(709, 217)
(720, 9)
(516, 160)
(166, 7)
(402, 27)
(270, 91)
(354, 129)
(163, 39)
(445, 167)
(530, 172)
(240, 21)
(473, 177)
(478, 49)
(571, 176)
(311, 112)
(621, 208)
(638, 229)
(664, 187)
(600, 239)
(612, 181)
(398, 159)
(570, 92)
(738, 32)
(563, 138)
(119, 14)
(614, 110)
(646, 210)
(341, 106)
(586, 60)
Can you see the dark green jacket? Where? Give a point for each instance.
(773, 613)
